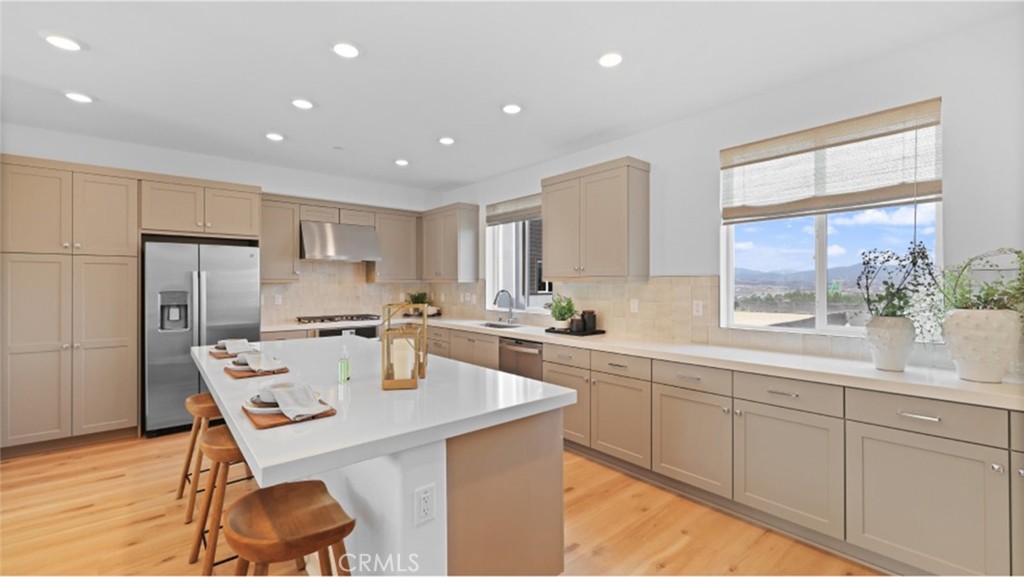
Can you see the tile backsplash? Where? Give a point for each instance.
(664, 310)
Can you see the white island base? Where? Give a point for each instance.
(488, 444)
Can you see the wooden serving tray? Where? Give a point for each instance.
(221, 355)
(248, 374)
(270, 420)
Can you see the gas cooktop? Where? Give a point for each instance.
(338, 318)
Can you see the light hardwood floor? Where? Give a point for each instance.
(110, 509)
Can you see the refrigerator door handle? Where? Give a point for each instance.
(202, 308)
(195, 308)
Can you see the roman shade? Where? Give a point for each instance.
(889, 157)
(517, 209)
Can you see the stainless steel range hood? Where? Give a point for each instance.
(346, 242)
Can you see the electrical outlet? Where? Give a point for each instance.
(698, 308)
(278, 299)
(466, 297)
(442, 297)
(423, 504)
(634, 305)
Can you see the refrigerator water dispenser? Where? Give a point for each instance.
(174, 310)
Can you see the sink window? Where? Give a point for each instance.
(514, 253)
(799, 209)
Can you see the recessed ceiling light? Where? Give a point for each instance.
(402, 162)
(274, 136)
(302, 104)
(511, 109)
(64, 43)
(610, 60)
(78, 97)
(346, 50)
(446, 140)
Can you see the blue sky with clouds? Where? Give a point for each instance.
(788, 244)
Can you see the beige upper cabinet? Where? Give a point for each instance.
(597, 221)
(106, 215)
(357, 217)
(692, 438)
(105, 344)
(279, 242)
(620, 417)
(35, 382)
(450, 243)
(37, 210)
(397, 234)
(319, 214)
(790, 464)
(936, 504)
(232, 212)
(171, 207)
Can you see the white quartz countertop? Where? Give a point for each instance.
(297, 326)
(455, 398)
(916, 381)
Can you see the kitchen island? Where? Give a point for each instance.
(484, 446)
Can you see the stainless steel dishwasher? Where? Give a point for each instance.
(521, 357)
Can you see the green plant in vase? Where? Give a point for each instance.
(419, 299)
(892, 284)
(984, 299)
(562, 310)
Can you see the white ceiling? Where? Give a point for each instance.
(213, 78)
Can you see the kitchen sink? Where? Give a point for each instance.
(499, 325)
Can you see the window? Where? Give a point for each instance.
(514, 252)
(799, 209)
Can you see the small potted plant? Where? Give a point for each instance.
(890, 284)
(985, 304)
(419, 299)
(562, 311)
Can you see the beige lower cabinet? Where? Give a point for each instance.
(35, 388)
(575, 418)
(936, 504)
(790, 464)
(105, 381)
(692, 438)
(438, 348)
(620, 417)
(284, 335)
(279, 242)
(474, 348)
(1017, 511)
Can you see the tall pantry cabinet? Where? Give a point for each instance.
(69, 303)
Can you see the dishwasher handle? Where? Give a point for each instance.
(518, 349)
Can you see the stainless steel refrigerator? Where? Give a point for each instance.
(195, 294)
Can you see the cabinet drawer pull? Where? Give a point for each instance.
(564, 356)
(683, 377)
(618, 365)
(998, 468)
(928, 418)
(784, 393)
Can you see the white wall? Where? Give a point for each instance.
(978, 71)
(42, 143)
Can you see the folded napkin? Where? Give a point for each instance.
(299, 403)
(236, 346)
(262, 363)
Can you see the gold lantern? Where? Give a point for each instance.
(403, 346)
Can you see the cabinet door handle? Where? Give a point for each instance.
(683, 377)
(726, 410)
(78, 345)
(618, 365)
(199, 224)
(1020, 472)
(737, 412)
(66, 245)
(65, 347)
(928, 418)
(78, 245)
(998, 468)
(581, 269)
(208, 225)
(784, 393)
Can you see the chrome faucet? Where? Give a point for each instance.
(511, 303)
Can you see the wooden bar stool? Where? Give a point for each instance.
(220, 448)
(202, 408)
(288, 521)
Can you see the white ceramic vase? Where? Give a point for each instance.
(982, 343)
(890, 340)
(560, 324)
